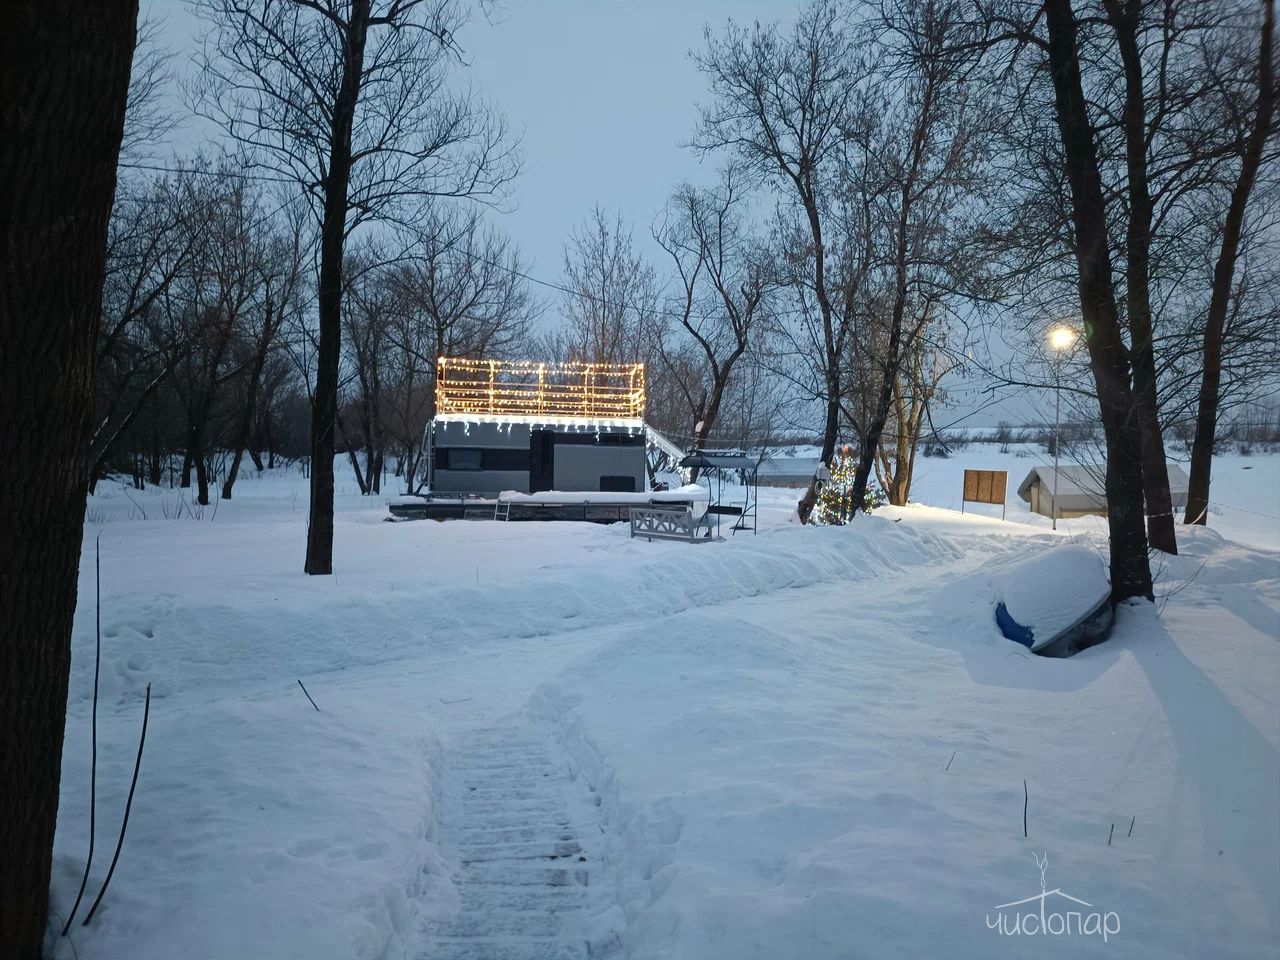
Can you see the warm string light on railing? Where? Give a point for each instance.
(504, 388)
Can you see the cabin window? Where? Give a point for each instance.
(461, 458)
(505, 458)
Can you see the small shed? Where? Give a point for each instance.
(1081, 490)
(785, 471)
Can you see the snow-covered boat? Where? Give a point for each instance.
(1057, 604)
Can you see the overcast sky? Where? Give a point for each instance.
(604, 94)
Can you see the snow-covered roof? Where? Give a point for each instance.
(784, 466)
(719, 460)
(1086, 481)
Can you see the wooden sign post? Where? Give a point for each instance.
(985, 486)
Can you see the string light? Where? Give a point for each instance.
(835, 499)
(581, 394)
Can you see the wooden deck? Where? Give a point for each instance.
(483, 508)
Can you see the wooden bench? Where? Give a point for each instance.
(659, 521)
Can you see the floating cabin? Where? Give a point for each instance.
(531, 440)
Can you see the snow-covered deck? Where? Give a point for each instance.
(604, 507)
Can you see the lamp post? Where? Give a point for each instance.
(1061, 339)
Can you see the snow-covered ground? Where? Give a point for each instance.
(549, 740)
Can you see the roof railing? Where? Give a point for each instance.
(529, 388)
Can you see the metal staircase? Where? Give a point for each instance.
(656, 441)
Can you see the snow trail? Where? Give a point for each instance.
(524, 837)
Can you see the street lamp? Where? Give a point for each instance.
(1061, 339)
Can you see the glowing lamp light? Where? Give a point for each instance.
(1061, 338)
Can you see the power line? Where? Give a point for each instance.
(196, 171)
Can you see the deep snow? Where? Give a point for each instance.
(809, 743)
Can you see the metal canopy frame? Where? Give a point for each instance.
(716, 465)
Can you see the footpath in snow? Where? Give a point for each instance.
(549, 740)
(525, 835)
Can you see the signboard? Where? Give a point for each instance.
(985, 486)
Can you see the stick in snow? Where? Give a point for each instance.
(93, 763)
(1131, 823)
(948, 766)
(128, 804)
(1111, 834)
(1026, 800)
(304, 690)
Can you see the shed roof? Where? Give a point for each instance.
(719, 460)
(1079, 480)
(784, 466)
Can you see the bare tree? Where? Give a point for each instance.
(276, 264)
(930, 154)
(153, 236)
(1126, 20)
(781, 103)
(1108, 355)
(366, 320)
(612, 305)
(458, 290)
(725, 276)
(149, 116)
(206, 309)
(64, 77)
(918, 385)
(1141, 151)
(350, 100)
(1224, 273)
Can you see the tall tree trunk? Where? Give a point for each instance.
(250, 404)
(898, 487)
(831, 423)
(361, 481)
(368, 409)
(875, 429)
(830, 433)
(1124, 15)
(1223, 273)
(195, 458)
(156, 474)
(64, 73)
(333, 230)
(1108, 358)
(202, 475)
(699, 433)
(893, 353)
(710, 413)
(100, 446)
(196, 447)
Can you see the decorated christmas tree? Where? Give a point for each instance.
(835, 498)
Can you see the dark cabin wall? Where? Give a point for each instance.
(580, 458)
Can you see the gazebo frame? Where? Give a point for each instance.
(716, 465)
